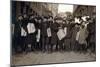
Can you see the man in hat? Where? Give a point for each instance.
(17, 34)
(91, 39)
(31, 37)
(49, 33)
(44, 33)
(60, 33)
(24, 32)
(54, 38)
(38, 35)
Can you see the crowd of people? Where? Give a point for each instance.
(48, 34)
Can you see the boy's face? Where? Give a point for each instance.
(73, 21)
(39, 20)
(83, 23)
(64, 22)
(32, 17)
(67, 22)
(78, 28)
(50, 19)
(25, 15)
(59, 21)
(90, 21)
(44, 19)
(76, 25)
(20, 17)
(82, 26)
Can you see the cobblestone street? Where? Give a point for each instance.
(55, 57)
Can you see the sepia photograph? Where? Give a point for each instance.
(52, 33)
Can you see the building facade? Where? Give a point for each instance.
(44, 8)
(80, 10)
(19, 7)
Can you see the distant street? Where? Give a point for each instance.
(55, 57)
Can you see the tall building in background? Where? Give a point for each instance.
(19, 8)
(80, 10)
(38, 7)
(53, 8)
(44, 8)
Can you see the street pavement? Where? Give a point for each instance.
(55, 57)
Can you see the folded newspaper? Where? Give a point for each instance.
(38, 36)
(31, 28)
(61, 34)
(49, 32)
(23, 32)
